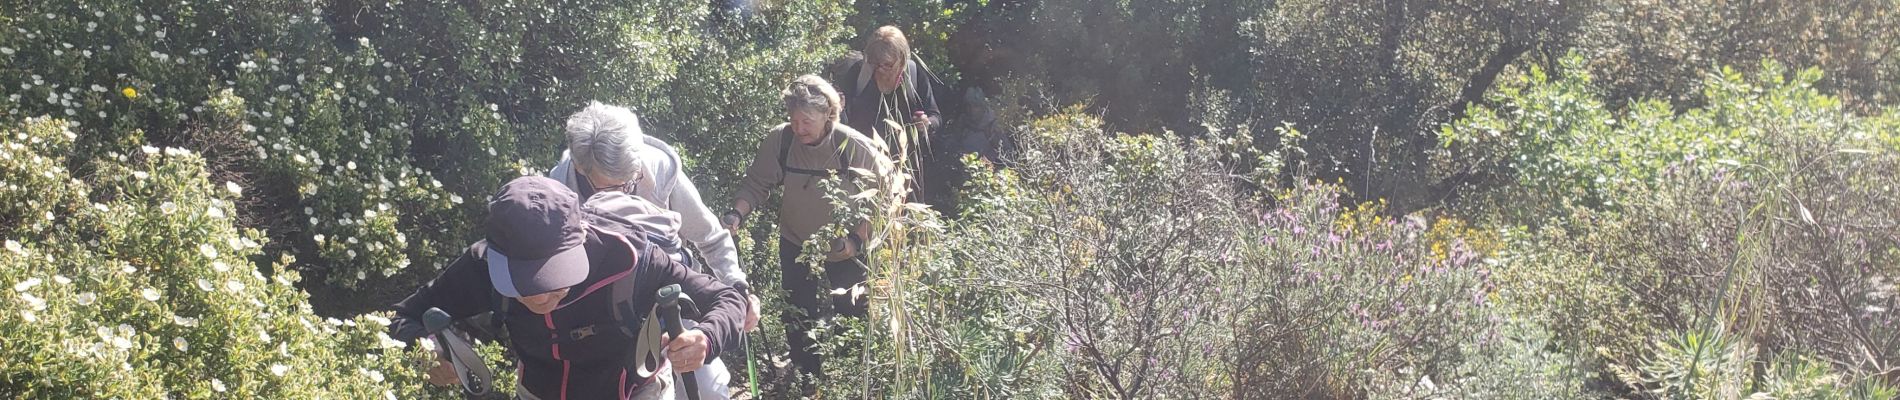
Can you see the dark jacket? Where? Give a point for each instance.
(864, 106)
(593, 344)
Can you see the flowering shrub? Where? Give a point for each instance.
(135, 283)
(371, 133)
(1125, 268)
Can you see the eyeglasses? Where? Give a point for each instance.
(623, 187)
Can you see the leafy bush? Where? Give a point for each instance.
(135, 283)
(1716, 365)
(1162, 285)
(1768, 212)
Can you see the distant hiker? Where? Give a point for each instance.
(574, 289)
(796, 156)
(889, 92)
(619, 169)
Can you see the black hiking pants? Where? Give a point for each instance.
(809, 295)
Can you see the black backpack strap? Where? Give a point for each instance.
(785, 148)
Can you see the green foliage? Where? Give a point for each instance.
(1714, 364)
(1566, 148)
(135, 283)
(1738, 214)
(1213, 297)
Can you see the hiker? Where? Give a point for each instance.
(574, 291)
(889, 89)
(609, 154)
(889, 84)
(796, 156)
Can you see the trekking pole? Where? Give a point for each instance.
(477, 380)
(669, 310)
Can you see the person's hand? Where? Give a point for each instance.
(842, 248)
(921, 121)
(687, 352)
(731, 221)
(752, 313)
(443, 374)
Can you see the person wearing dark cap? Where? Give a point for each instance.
(574, 290)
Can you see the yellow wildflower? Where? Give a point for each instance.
(130, 93)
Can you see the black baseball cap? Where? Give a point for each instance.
(536, 237)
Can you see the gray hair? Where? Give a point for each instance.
(602, 139)
(811, 93)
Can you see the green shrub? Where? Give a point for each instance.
(135, 283)
(1123, 266)
(1766, 211)
(1714, 364)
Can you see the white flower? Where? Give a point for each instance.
(215, 212)
(167, 207)
(62, 279)
(101, 207)
(86, 299)
(184, 321)
(23, 286)
(208, 250)
(128, 268)
(351, 165)
(308, 211)
(374, 376)
(234, 286)
(179, 342)
(383, 340)
(279, 369)
(288, 121)
(205, 285)
(379, 320)
(140, 175)
(217, 385)
(233, 188)
(14, 247)
(34, 302)
(455, 198)
(220, 266)
(6, 50)
(149, 294)
(318, 237)
(149, 149)
(28, 316)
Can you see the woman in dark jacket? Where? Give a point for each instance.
(575, 291)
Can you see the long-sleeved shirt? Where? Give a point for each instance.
(667, 186)
(599, 342)
(784, 162)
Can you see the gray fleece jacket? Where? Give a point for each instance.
(668, 188)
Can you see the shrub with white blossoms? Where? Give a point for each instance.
(118, 300)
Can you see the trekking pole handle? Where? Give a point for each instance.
(669, 310)
(468, 365)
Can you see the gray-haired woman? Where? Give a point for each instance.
(795, 156)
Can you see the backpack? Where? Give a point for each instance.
(643, 238)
